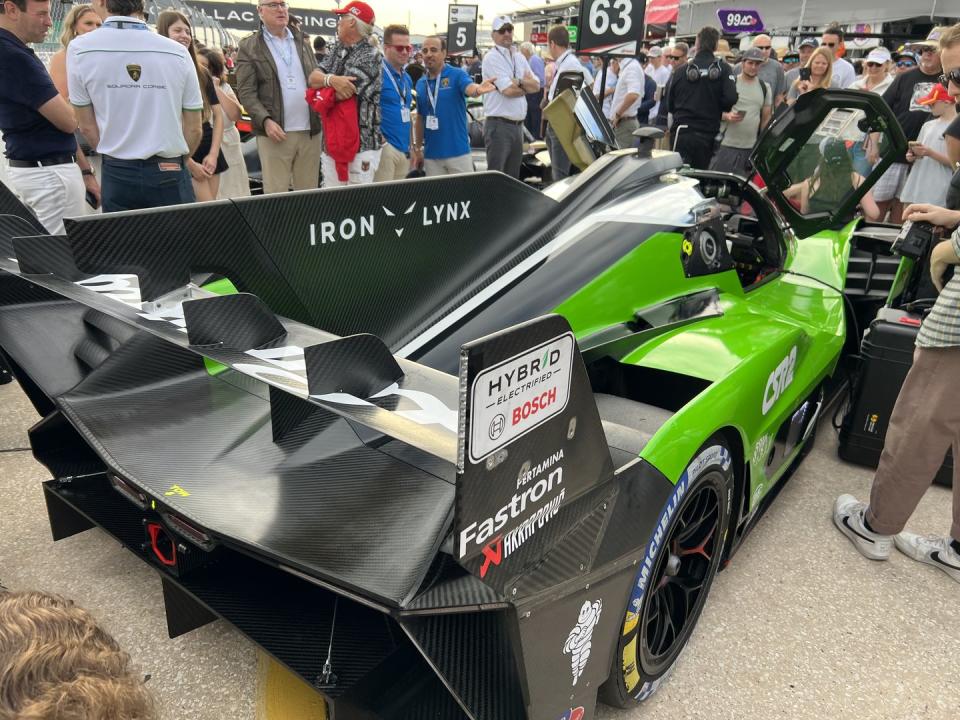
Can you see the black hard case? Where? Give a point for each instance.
(887, 352)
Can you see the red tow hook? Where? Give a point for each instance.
(160, 541)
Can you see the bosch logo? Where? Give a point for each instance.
(532, 407)
(496, 426)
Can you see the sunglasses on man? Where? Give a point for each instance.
(828, 45)
(674, 58)
(906, 64)
(763, 47)
(402, 48)
(505, 29)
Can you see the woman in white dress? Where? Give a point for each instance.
(234, 181)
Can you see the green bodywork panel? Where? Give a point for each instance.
(738, 352)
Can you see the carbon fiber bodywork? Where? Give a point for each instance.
(382, 444)
(234, 480)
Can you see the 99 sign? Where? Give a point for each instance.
(739, 20)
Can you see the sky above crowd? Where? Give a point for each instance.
(422, 15)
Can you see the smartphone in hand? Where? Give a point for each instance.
(92, 200)
(805, 73)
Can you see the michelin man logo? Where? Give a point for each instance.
(579, 640)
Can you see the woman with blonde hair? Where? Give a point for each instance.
(80, 20)
(207, 162)
(820, 75)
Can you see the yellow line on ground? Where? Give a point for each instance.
(281, 695)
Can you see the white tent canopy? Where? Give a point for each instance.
(784, 14)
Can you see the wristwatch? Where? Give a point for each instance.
(88, 171)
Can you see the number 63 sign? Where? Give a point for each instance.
(610, 26)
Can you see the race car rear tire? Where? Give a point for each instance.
(674, 577)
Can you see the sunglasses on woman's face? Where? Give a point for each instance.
(874, 65)
(951, 77)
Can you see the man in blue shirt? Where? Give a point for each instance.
(396, 98)
(37, 123)
(534, 114)
(443, 111)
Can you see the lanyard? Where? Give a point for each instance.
(435, 95)
(406, 88)
(510, 56)
(279, 44)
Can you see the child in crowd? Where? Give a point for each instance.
(57, 663)
(931, 172)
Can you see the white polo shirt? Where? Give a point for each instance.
(138, 83)
(503, 65)
(565, 63)
(630, 80)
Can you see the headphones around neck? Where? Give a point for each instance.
(712, 72)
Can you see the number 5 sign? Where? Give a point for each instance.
(461, 29)
(610, 26)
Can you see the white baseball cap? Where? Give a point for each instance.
(879, 55)
(655, 51)
(500, 20)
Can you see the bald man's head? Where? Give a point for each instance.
(764, 44)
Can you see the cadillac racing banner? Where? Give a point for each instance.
(243, 16)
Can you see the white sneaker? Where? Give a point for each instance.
(848, 517)
(932, 550)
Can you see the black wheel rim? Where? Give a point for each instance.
(681, 581)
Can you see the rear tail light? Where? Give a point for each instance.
(197, 537)
(132, 494)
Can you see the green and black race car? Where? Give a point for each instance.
(448, 448)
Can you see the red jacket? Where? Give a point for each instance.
(341, 129)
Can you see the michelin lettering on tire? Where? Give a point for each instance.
(713, 455)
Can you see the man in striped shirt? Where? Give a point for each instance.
(926, 418)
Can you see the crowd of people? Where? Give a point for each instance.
(91, 132)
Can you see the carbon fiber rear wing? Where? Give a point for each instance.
(519, 423)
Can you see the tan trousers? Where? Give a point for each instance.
(448, 166)
(295, 162)
(394, 165)
(925, 423)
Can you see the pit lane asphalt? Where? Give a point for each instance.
(799, 626)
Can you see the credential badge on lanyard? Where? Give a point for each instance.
(432, 122)
(287, 59)
(404, 97)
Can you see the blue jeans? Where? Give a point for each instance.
(135, 184)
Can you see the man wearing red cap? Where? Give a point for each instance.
(272, 69)
(352, 68)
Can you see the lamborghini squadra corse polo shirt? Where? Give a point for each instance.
(139, 83)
